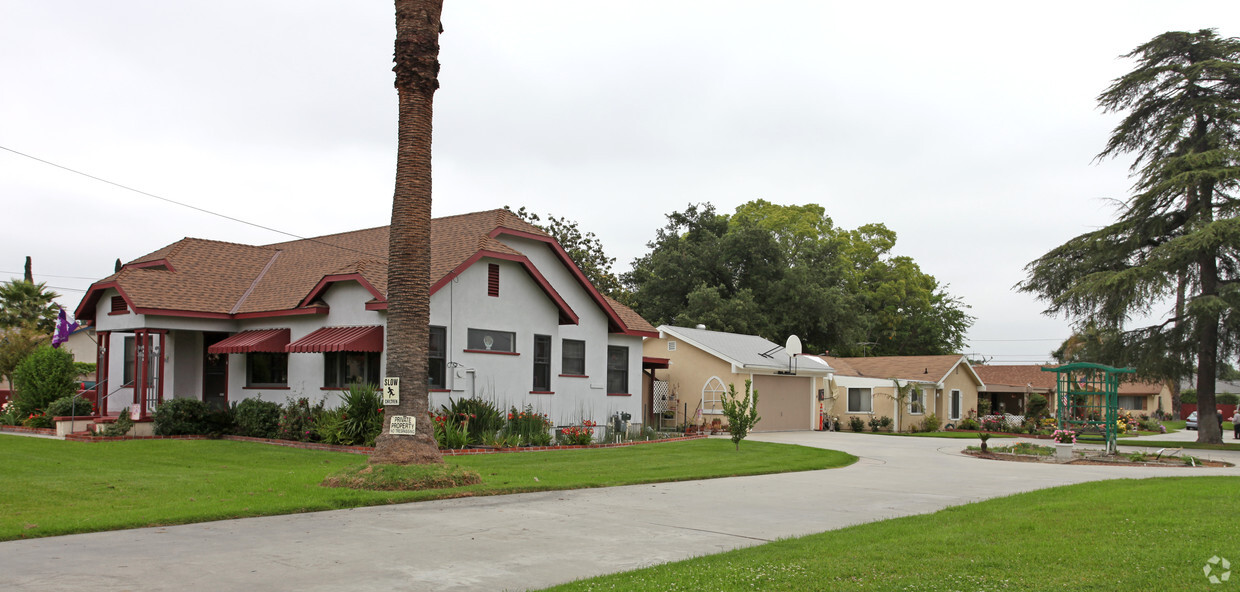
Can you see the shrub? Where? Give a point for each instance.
(73, 405)
(449, 434)
(969, 423)
(932, 422)
(983, 407)
(1227, 399)
(481, 417)
(297, 419)
(327, 426)
(45, 375)
(120, 427)
(39, 420)
(181, 417)
(1188, 396)
(8, 414)
(742, 414)
(533, 428)
(855, 424)
(582, 435)
(257, 418)
(1037, 406)
(362, 418)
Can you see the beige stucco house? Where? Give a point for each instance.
(866, 388)
(702, 364)
(1007, 385)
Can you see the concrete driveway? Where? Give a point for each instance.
(534, 540)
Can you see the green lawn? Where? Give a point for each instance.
(1228, 444)
(1130, 534)
(53, 487)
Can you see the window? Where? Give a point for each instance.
(617, 369)
(955, 410)
(344, 368)
(574, 357)
(486, 340)
(542, 362)
(128, 360)
(1131, 403)
(266, 369)
(492, 280)
(712, 396)
(860, 400)
(437, 359)
(916, 402)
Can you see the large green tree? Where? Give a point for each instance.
(775, 270)
(409, 248)
(1177, 238)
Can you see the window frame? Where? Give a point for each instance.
(1137, 400)
(572, 365)
(712, 398)
(437, 361)
(955, 405)
(869, 399)
(917, 396)
(251, 364)
(478, 346)
(617, 372)
(542, 364)
(335, 366)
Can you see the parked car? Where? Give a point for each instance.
(1191, 422)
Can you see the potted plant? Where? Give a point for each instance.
(1065, 441)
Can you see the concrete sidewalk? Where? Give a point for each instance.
(534, 540)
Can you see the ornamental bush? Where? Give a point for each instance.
(297, 419)
(533, 428)
(361, 419)
(582, 435)
(1227, 399)
(72, 405)
(43, 376)
(257, 418)
(182, 417)
(856, 424)
(481, 417)
(1037, 406)
(932, 422)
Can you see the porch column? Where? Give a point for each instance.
(142, 341)
(101, 371)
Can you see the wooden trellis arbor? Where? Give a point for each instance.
(1088, 399)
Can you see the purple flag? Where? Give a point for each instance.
(63, 329)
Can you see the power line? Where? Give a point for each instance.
(66, 277)
(184, 205)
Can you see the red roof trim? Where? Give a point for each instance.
(254, 340)
(328, 280)
(567, 316)
(86, 309)
(336, 339)
(376, 305)
(656, 363)
(308, 310)
(613, 318)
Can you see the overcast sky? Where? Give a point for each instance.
(969, 128)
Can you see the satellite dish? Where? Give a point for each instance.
(793, 347)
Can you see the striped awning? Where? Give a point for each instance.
(334, 339)
(255, 340)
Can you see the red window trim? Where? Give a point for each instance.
(487, 351)
(438, 390)
(265, 388)
(542, 392)
(123, 312)
(574, 376)
(619, 394)
(333, 388)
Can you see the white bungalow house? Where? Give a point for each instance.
(513, 320)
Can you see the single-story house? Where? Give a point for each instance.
(512, 319)
(944, 385)
(1008, 384)
(701, 365)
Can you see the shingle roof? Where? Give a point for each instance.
(629, 316)
(925, 368)
(744, 350)
(227, 278)
(1017, 376)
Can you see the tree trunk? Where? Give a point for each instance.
(1209, 429)
(409, 253)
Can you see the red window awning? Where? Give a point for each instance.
(334, 339)
(256, 340)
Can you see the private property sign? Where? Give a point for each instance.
(403, 425)
(391, 390)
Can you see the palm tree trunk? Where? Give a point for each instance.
(409, 247)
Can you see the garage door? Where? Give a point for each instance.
(784, 403)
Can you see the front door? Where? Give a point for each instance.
(214, 373)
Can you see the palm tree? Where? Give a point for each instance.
(27, 304)
(409, 248)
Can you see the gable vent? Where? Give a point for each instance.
(118, 304)
(492, 279)
(671, 346)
